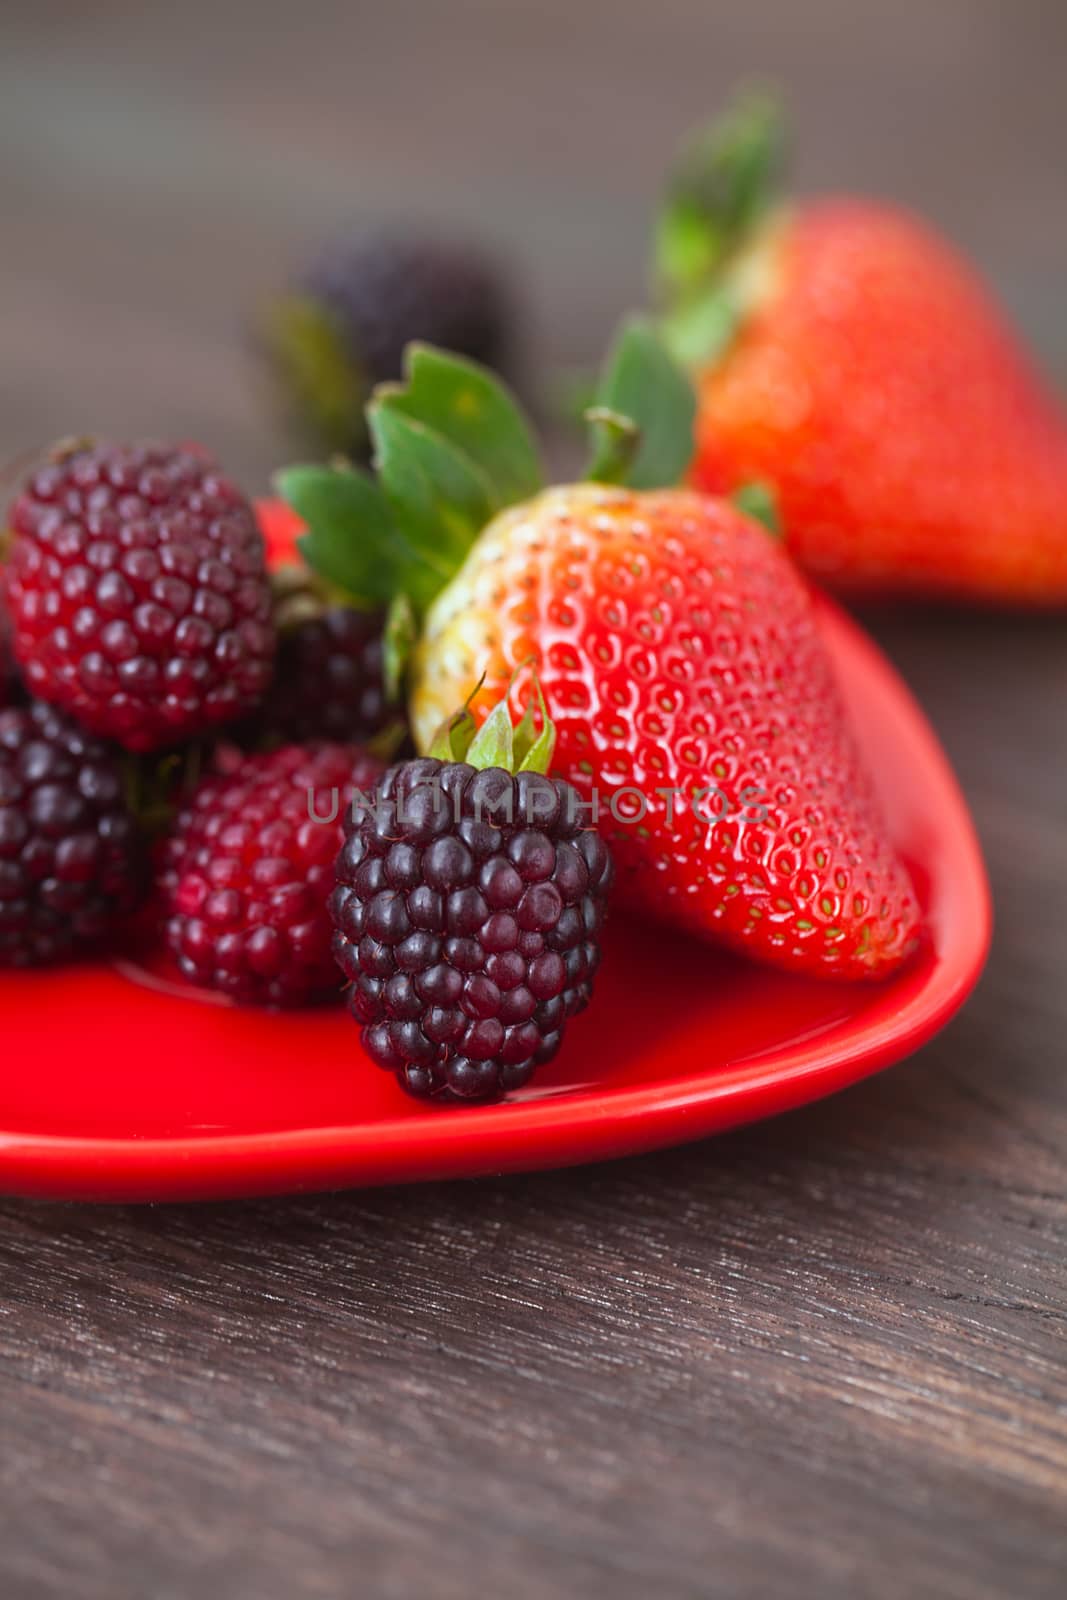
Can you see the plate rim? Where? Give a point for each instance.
(558, 1130)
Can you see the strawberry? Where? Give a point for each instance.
(678, 649)
(850, 359)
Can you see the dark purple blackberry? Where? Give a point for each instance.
(467, 915)
(344, 326)
(328, 681)
(70, 861)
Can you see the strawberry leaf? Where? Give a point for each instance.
(616, 440)
(398, 641)
(438, 496)
(727, 178)
(759, 501)
(351, 540)
(643, 382)
(467, 406)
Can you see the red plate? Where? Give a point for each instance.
(118, 1089)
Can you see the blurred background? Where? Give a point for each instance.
(162, 166)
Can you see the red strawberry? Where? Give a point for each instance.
(248, 868)
(849, 358)
(678, 651)
(282, 530)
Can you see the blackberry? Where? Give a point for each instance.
(467, 916)
(328, 682)
(70, 857)
(246, 873)
(344, 327)
(138, 594)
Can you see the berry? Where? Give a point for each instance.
(695, 698)
(247, 870)
(329, 676)
(7, 666)
(350, 315)
(138, 594)
(680, 650)
(870, 381)
(70, 859)
(467, 916)
(328, 679)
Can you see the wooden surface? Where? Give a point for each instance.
(822, 1357)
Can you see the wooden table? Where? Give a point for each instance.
(820, 1357)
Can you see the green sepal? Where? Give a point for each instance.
(453, 738)
(533, 750)
(436, 493)
(643, 382)
(465, 404)
(494, 743)
(759, 501)
(697, 331)
(616, 440)
(351, 539)
(326, 385)
(726, 179)
(398, 641)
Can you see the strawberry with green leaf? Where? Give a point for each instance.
(847, 357)
(693, 699)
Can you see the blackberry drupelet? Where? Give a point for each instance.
(70, 857)
(467, 916)
(138, 594)
(247, 869)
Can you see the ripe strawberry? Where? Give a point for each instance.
(247, 870)
(678, 650)
(138, 594)
(851, 360)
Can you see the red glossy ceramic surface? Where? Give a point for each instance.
(119, 1086)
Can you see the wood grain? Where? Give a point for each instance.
(822, 1357)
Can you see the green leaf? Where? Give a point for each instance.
(439, 498)
(696, 331)
(643, 382)
(351, 540)
(726, 179)
(470, 408)
(616, 441)
(326, 384)
(398, 641)
(759, 501)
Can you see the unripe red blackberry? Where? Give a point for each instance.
(138, 593)
(247, 869)
(467, 916)
(70, 858)
(344, 325)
